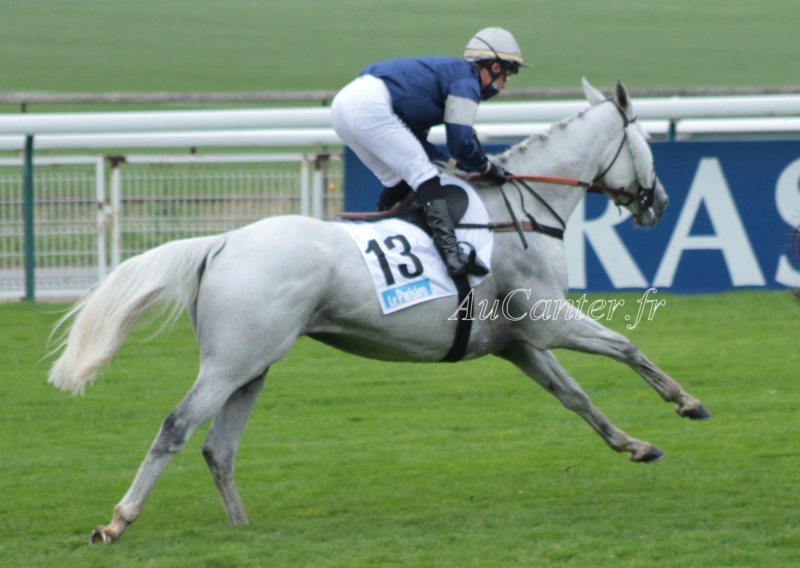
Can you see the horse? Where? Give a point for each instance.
(251, 292)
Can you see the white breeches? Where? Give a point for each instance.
(362, 116)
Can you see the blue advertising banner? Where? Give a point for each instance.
(733, 209)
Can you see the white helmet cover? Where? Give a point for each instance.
(494, 43)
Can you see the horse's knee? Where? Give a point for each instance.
(574, 400)
(624, 350)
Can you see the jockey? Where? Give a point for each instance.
(385, 115)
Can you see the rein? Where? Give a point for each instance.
(531, 225)
(591, 187)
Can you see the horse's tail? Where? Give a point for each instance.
(167, 276)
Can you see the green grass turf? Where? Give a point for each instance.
(252, 45)
(348, 462)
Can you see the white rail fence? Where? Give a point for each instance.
(90, 213)
(67, 220)
(684, 117)
(109, 210)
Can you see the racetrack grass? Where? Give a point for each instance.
(348, 462)
(249, 45)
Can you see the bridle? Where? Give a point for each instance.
(644, 196)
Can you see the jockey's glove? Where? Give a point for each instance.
(496, 173)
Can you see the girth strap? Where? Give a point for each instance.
(464, 324)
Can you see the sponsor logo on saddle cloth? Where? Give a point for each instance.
(405, 266)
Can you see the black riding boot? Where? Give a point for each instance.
(391, 196)
(431, 195)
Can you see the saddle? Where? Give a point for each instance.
(410, 210)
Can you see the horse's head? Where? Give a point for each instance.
(632, 168)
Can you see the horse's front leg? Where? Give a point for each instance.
(588, 336)
(543, 368)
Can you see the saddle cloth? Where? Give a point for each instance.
(405, 266)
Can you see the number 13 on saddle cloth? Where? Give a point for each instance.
(405, 267)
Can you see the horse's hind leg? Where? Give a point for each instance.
(543, 368)
(219, 449)
(202, 402)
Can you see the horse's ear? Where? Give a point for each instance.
(593, 95)
(623, 99)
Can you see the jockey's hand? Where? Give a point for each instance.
(497, 174)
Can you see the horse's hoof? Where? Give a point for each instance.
(698, 412)
(652, 454)
(99, 536)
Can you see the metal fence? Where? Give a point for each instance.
(90, 213)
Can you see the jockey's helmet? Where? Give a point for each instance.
(491, 44)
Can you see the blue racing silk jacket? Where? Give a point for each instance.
(432, 90)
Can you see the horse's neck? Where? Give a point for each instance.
(577, 148)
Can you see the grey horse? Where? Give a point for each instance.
(250, 293)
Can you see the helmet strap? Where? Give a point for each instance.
(495, 76)
(490, 90)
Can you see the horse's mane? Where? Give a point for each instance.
(539, 139)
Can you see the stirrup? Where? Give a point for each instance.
(474, 264)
